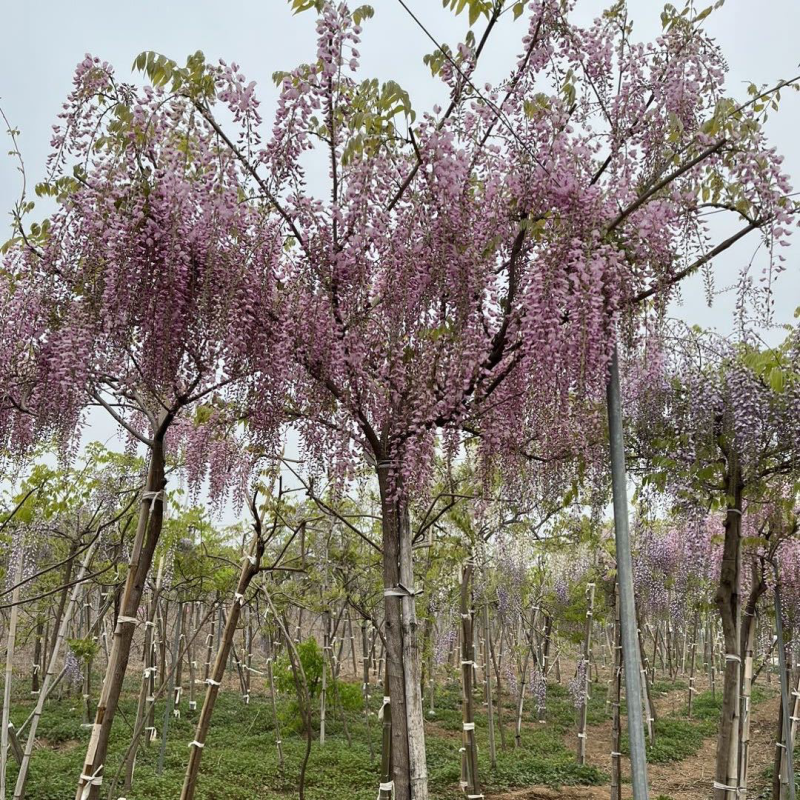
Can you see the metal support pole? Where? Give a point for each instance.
(630, 641)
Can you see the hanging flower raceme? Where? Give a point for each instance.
(155, 284)
(468, 268)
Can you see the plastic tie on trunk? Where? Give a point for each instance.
(96, 779)
(401, 591)
(152, 497)
(735, 789)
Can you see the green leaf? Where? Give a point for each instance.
(777, 379)
(362, 13)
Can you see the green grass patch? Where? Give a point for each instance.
(240, 759)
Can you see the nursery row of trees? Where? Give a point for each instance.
(503, 612)
(439, 330)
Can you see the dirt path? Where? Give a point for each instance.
(689, 779)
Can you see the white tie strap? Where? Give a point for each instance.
(734, 789)
(152, 497)
(91, 780)
(386, 701)
(401, 591)
(197, 744)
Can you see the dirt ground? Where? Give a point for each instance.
(690, 779)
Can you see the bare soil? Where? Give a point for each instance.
(690, 779)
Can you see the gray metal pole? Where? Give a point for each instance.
(627, 611)
(787, 725)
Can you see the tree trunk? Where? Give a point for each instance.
(583, 709)
(728, 602)
(470, 747)
(650, 714)
(37, 655)
(274, 703)
(148, 682)
(616, 699)
(523, 682)
(148, 533)
(757, 588)
(487, 660)
(496, 660)
(9, 674)
(248, 572)
(365, 686)
(194, 617)
(787, 774)
(692, 659)
(402, 650)
(169, 705)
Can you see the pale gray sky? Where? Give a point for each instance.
(44, 41)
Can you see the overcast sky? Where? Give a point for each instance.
(45, 39)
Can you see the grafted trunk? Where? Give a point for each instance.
(194, 618)
(496, 662)
(548, 628)
(210, 641)
(786, 771)
(387, 784)
(649, 708)
(274, 703)
(523, 682)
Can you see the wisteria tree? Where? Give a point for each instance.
(151, 293)
(464, 273)
(721, 430)
(467, 268)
